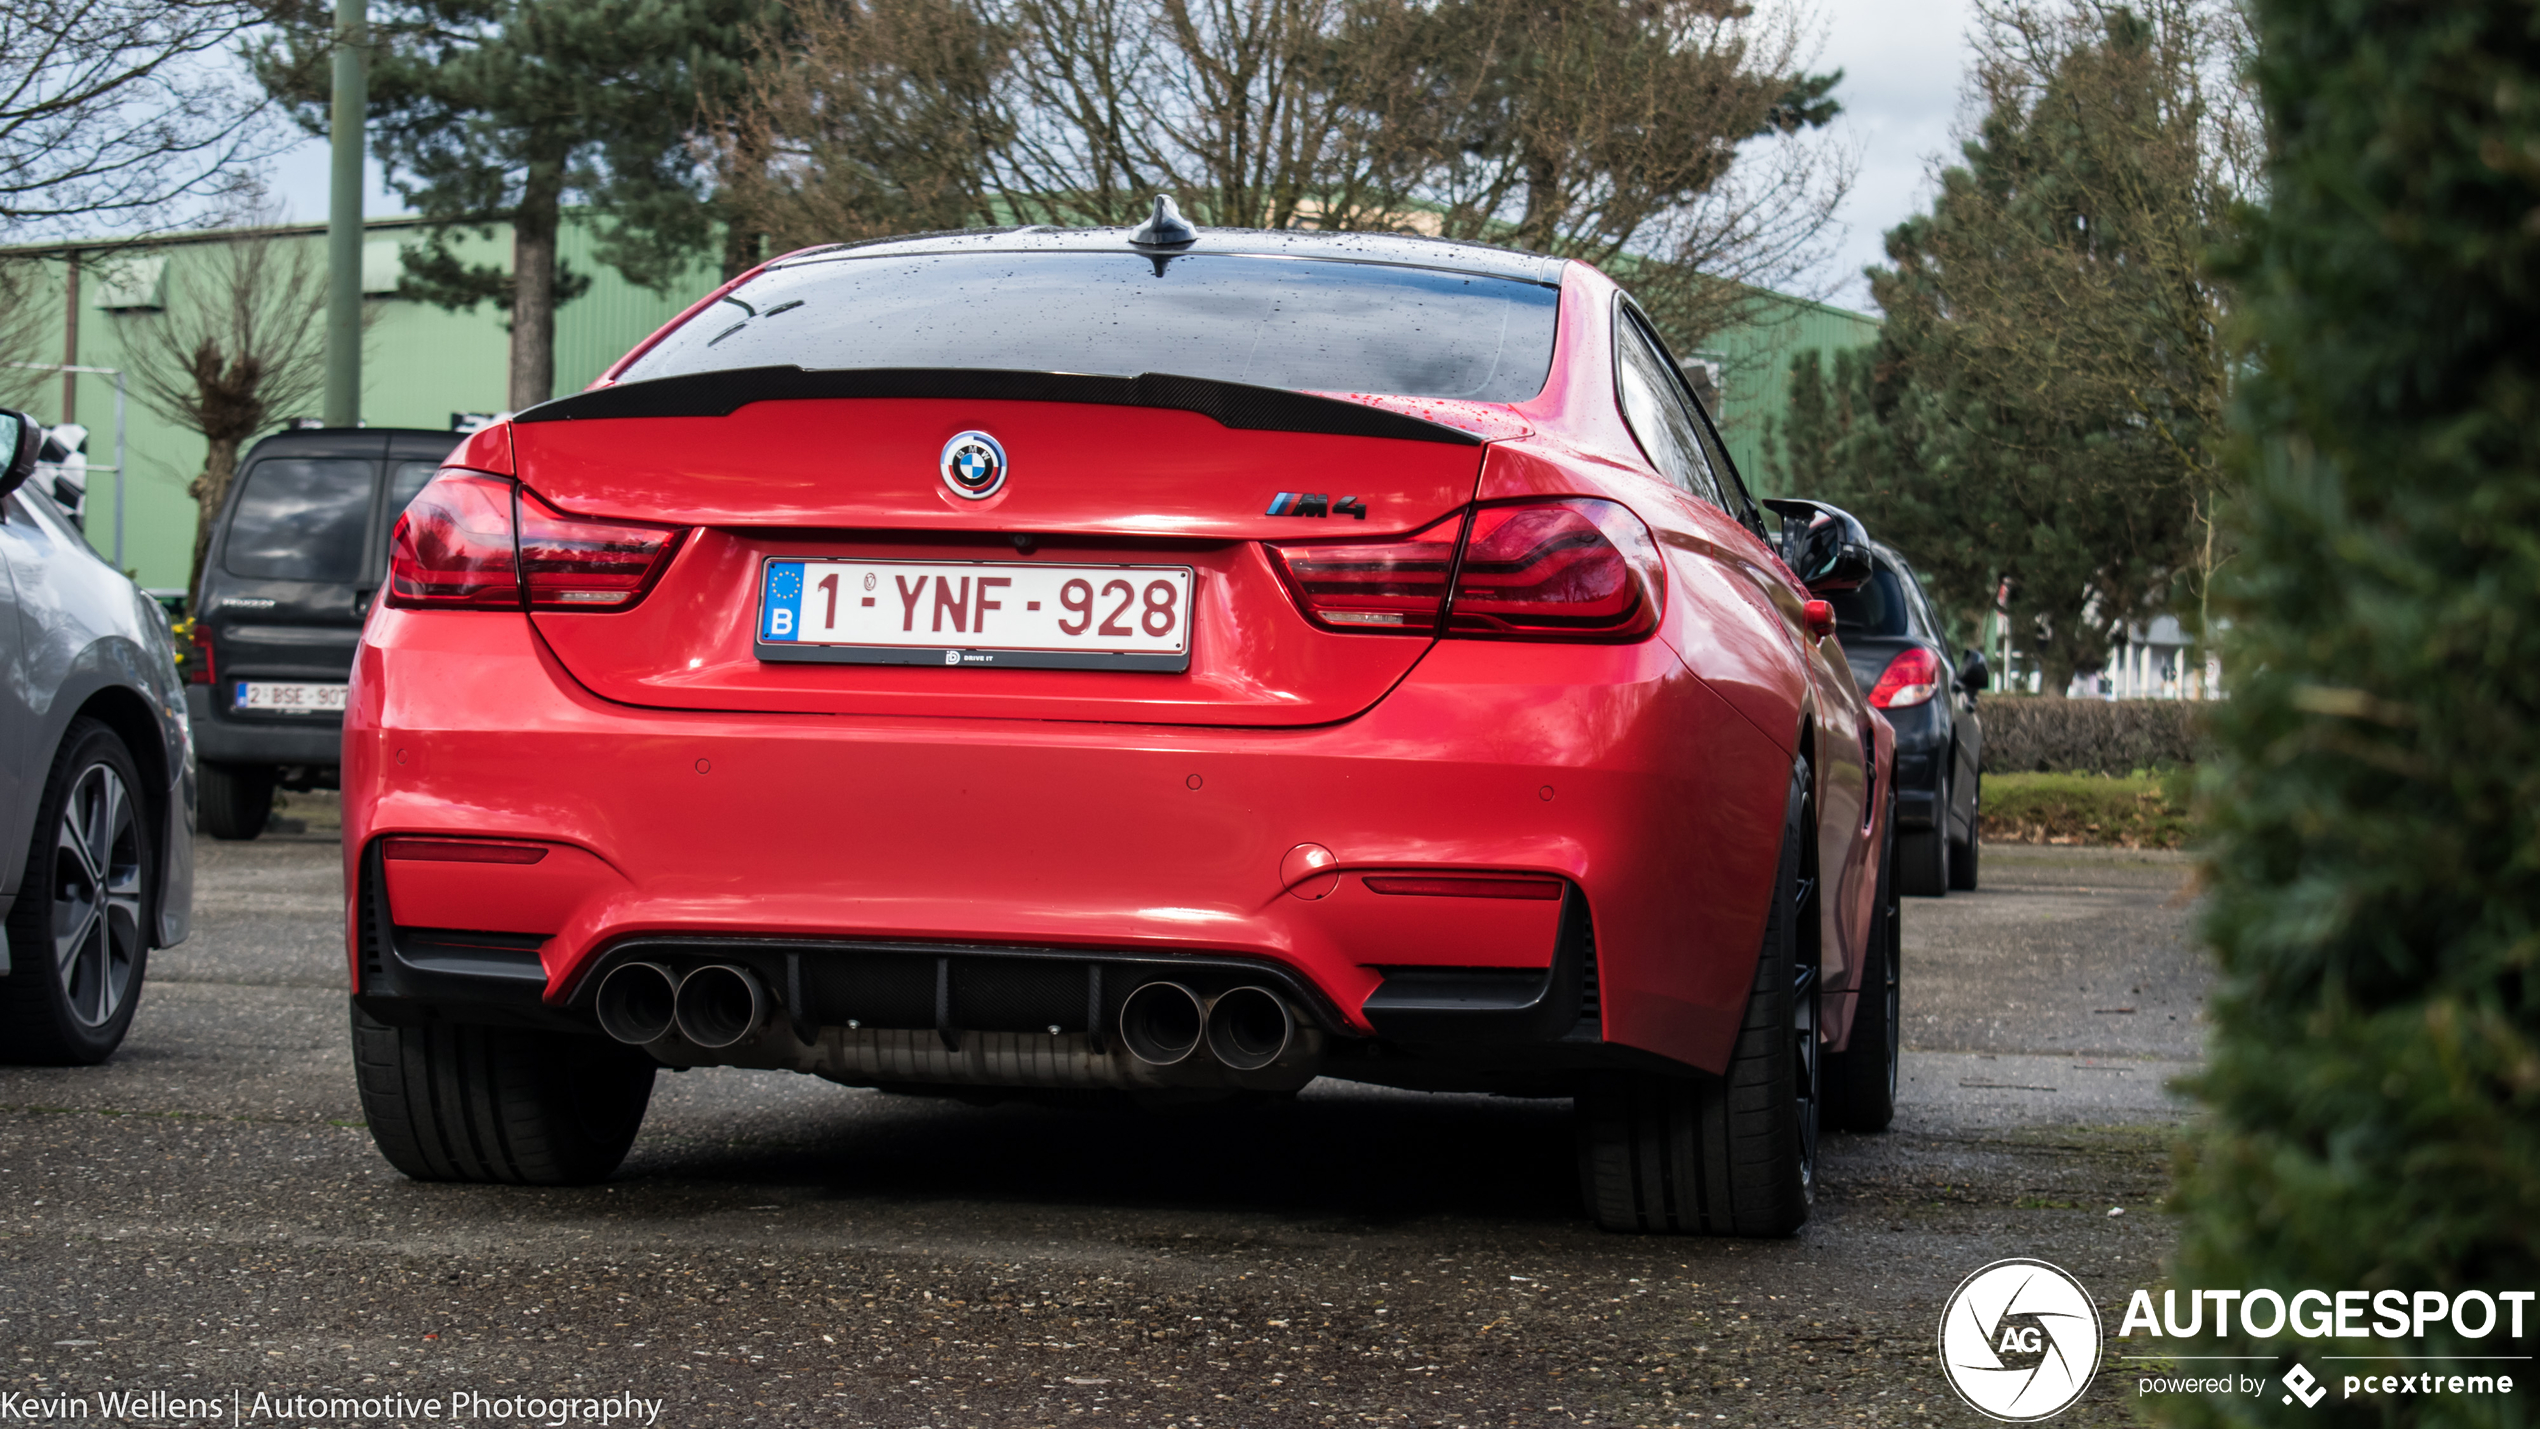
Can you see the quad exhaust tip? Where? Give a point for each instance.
(1162, 1023)
(636, 1002)
(720, 1004)
(1249, 1028)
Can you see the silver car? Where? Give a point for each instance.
(96, 780)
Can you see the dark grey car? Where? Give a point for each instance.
(1900, 655)
(96, 780)
(299, 550)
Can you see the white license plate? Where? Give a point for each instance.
(997, 614)
(288, 699)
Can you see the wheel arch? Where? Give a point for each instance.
(133, 721)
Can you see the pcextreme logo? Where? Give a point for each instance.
(2019, 1341)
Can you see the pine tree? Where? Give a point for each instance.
(487, 111)
(2043, 405)
(2374, 1083)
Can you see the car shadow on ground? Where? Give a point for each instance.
(1357, 1154)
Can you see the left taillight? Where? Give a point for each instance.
(469, 541)
(193, 651)
(1568, 568)
(576, 563)
(1911, 678)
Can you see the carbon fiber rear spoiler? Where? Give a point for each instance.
(1230, 404)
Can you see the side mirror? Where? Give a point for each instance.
(1825, 546)
(1974, 673)
(23, 439)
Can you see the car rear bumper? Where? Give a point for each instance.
(1922, 758)
(837, 836)
(317, 739)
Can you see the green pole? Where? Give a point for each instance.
(344, 218)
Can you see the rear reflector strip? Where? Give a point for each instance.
(460, 851)
(1541, 890)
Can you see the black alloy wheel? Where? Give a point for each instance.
(1964, 853)
(1733, 1154)
(79, 936)
(1922, 857)
(1861, 1080)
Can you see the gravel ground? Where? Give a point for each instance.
(205, 1217)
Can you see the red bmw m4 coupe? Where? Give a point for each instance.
(1178, 663)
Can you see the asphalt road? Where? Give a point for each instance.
(205, 1217)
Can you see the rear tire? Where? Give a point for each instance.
(80, 931)
(1922, 857)
(459, 1103)
(1861, 1079)
(1963, 853)
(1733, 1154)
(234, 801)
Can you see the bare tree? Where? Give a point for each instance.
(114, 108)
(241, 341)
(863, 118)
(1668, 138)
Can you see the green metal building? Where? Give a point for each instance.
(426, 367)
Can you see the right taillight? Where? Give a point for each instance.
(1573, 568)
(468, 541)
(1391, 587)
(1911, 678)
(1567, 568)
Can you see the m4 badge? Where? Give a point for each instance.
(1315, 503)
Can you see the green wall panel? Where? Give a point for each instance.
(421, 364)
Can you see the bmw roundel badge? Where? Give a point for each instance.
(974, 466)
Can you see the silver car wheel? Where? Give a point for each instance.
(97, 928)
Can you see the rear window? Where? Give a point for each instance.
(1299, 323)
(1874, 607)
(300, 520)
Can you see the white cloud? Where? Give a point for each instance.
(1903, 62)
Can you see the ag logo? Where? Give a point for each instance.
(2019, 1341)
(973, 465)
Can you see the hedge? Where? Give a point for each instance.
(2372, 816)
(2039, 734)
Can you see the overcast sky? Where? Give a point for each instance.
(1902, 61)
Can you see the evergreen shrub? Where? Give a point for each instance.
(2043, 734)
(2374, 811)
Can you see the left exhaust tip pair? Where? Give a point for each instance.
(713, 1006)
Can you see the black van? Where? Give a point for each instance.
(300, 548)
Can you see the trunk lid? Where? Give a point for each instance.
(859, 478)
